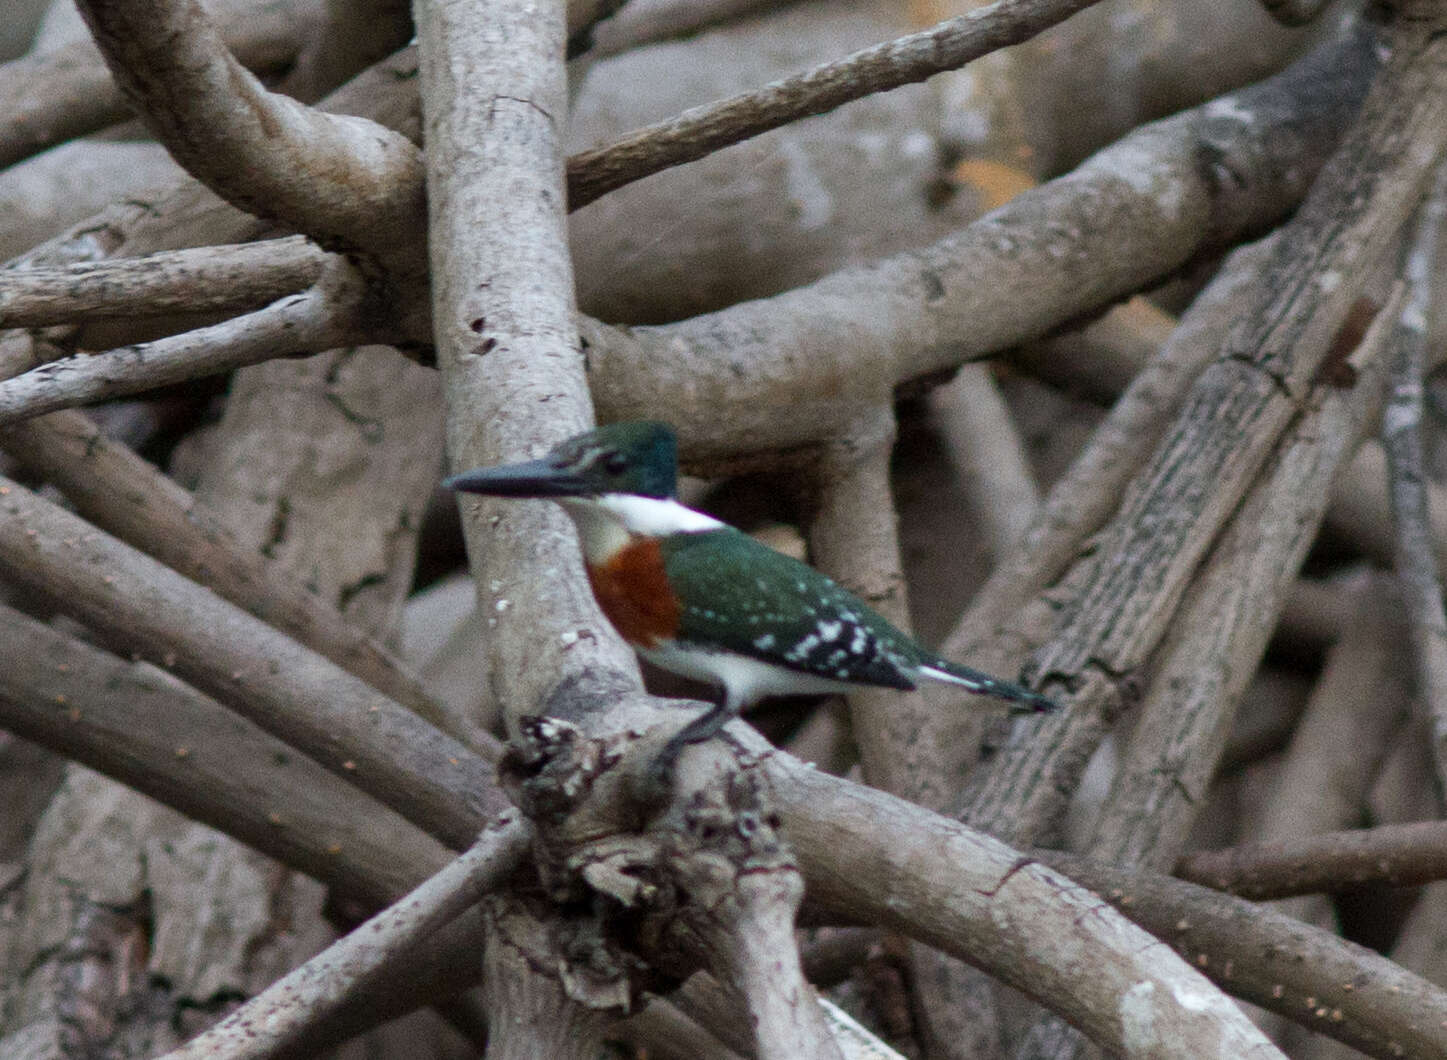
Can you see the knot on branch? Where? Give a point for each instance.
(704, 881)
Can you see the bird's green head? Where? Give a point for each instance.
(636, 456)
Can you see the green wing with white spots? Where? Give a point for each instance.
(740, 596)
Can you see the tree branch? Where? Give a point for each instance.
(143, 727)
(1414, 555)
(345, 181)
(124, 495)
(1402, 855)
(334, 312)
(48, 99)
(702, 130)
(291, 692)
(203, 280)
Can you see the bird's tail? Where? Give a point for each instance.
(1026, 701)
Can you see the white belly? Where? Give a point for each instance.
(745, 681)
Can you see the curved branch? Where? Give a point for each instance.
(339, 179)
(48, 99)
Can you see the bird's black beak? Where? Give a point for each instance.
(535, 478)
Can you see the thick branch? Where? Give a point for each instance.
(1275, 961)
(506, 343)
(342, 180)
(1129, 588)
(126, 496)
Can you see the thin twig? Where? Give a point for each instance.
(1402, 438)
(272, 1021)
(702, 130)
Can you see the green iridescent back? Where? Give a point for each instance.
(744, 597)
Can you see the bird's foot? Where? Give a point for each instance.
(1034, 704)
(658, 780)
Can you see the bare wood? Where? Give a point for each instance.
(124, 495)
(830, 351)
(1224, 622)
(341, 179)
(1421, 581)
(1127, 591)
(1402, 855)
(984, 448)
(62, 94)
(699, 131)
(507, 348)
(209, 279)
(268, 1024)
(330, 314)
(955, 875)
(311, 703)
(143, 727)
(1335, 987)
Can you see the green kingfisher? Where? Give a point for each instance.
(699, 598)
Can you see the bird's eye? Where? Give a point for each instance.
(615, 463)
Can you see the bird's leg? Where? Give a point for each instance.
(704, 727)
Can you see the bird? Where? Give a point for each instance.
(699, 598)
